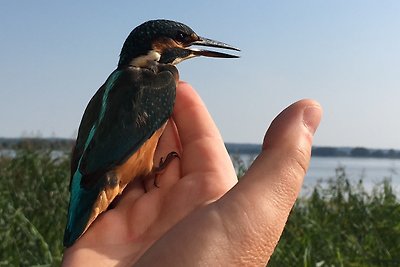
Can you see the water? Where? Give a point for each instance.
(367, 168)
(11, 153)
(371, 170)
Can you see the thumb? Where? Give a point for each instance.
(267, 192)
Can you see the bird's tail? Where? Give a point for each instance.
(79, 210)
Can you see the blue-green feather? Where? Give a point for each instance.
(78, 210)
(109, 134)
(82, 200)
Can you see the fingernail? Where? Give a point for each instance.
(312, 117)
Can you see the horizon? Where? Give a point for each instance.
(54, 138)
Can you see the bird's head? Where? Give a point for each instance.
(167, 42)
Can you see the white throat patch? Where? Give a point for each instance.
(144, 61)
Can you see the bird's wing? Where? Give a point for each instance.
(134, 103)
(88, 120)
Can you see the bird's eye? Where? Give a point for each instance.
(181, 36)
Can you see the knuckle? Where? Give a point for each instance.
(299, 160)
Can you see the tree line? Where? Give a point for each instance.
(66, 144)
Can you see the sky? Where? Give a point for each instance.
(345, 54)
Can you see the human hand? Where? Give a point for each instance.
(193, 218)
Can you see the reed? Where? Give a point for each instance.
(339, 224)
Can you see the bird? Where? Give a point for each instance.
(125, 118)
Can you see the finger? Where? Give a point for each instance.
(203, 147)
(269, 189)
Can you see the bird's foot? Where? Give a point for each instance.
(163, 164)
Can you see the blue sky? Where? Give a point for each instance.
(345, 54)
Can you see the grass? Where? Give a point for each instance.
(33, 201)
(339, 224)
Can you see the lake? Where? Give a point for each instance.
(371, 170)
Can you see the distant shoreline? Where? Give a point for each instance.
(323, 151)
(66, 144)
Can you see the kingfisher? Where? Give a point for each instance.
(125, 118)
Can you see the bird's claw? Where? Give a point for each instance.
(163, 164)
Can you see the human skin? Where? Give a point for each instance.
(200, 215)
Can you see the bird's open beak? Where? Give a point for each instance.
(175, 55)
(212, 43)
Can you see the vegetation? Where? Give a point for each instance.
(36, 143)
(355, 152)
(33, 202)
(323, 151)
(233, 148)
(339, 224)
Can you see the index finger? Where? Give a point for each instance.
(202, 144)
